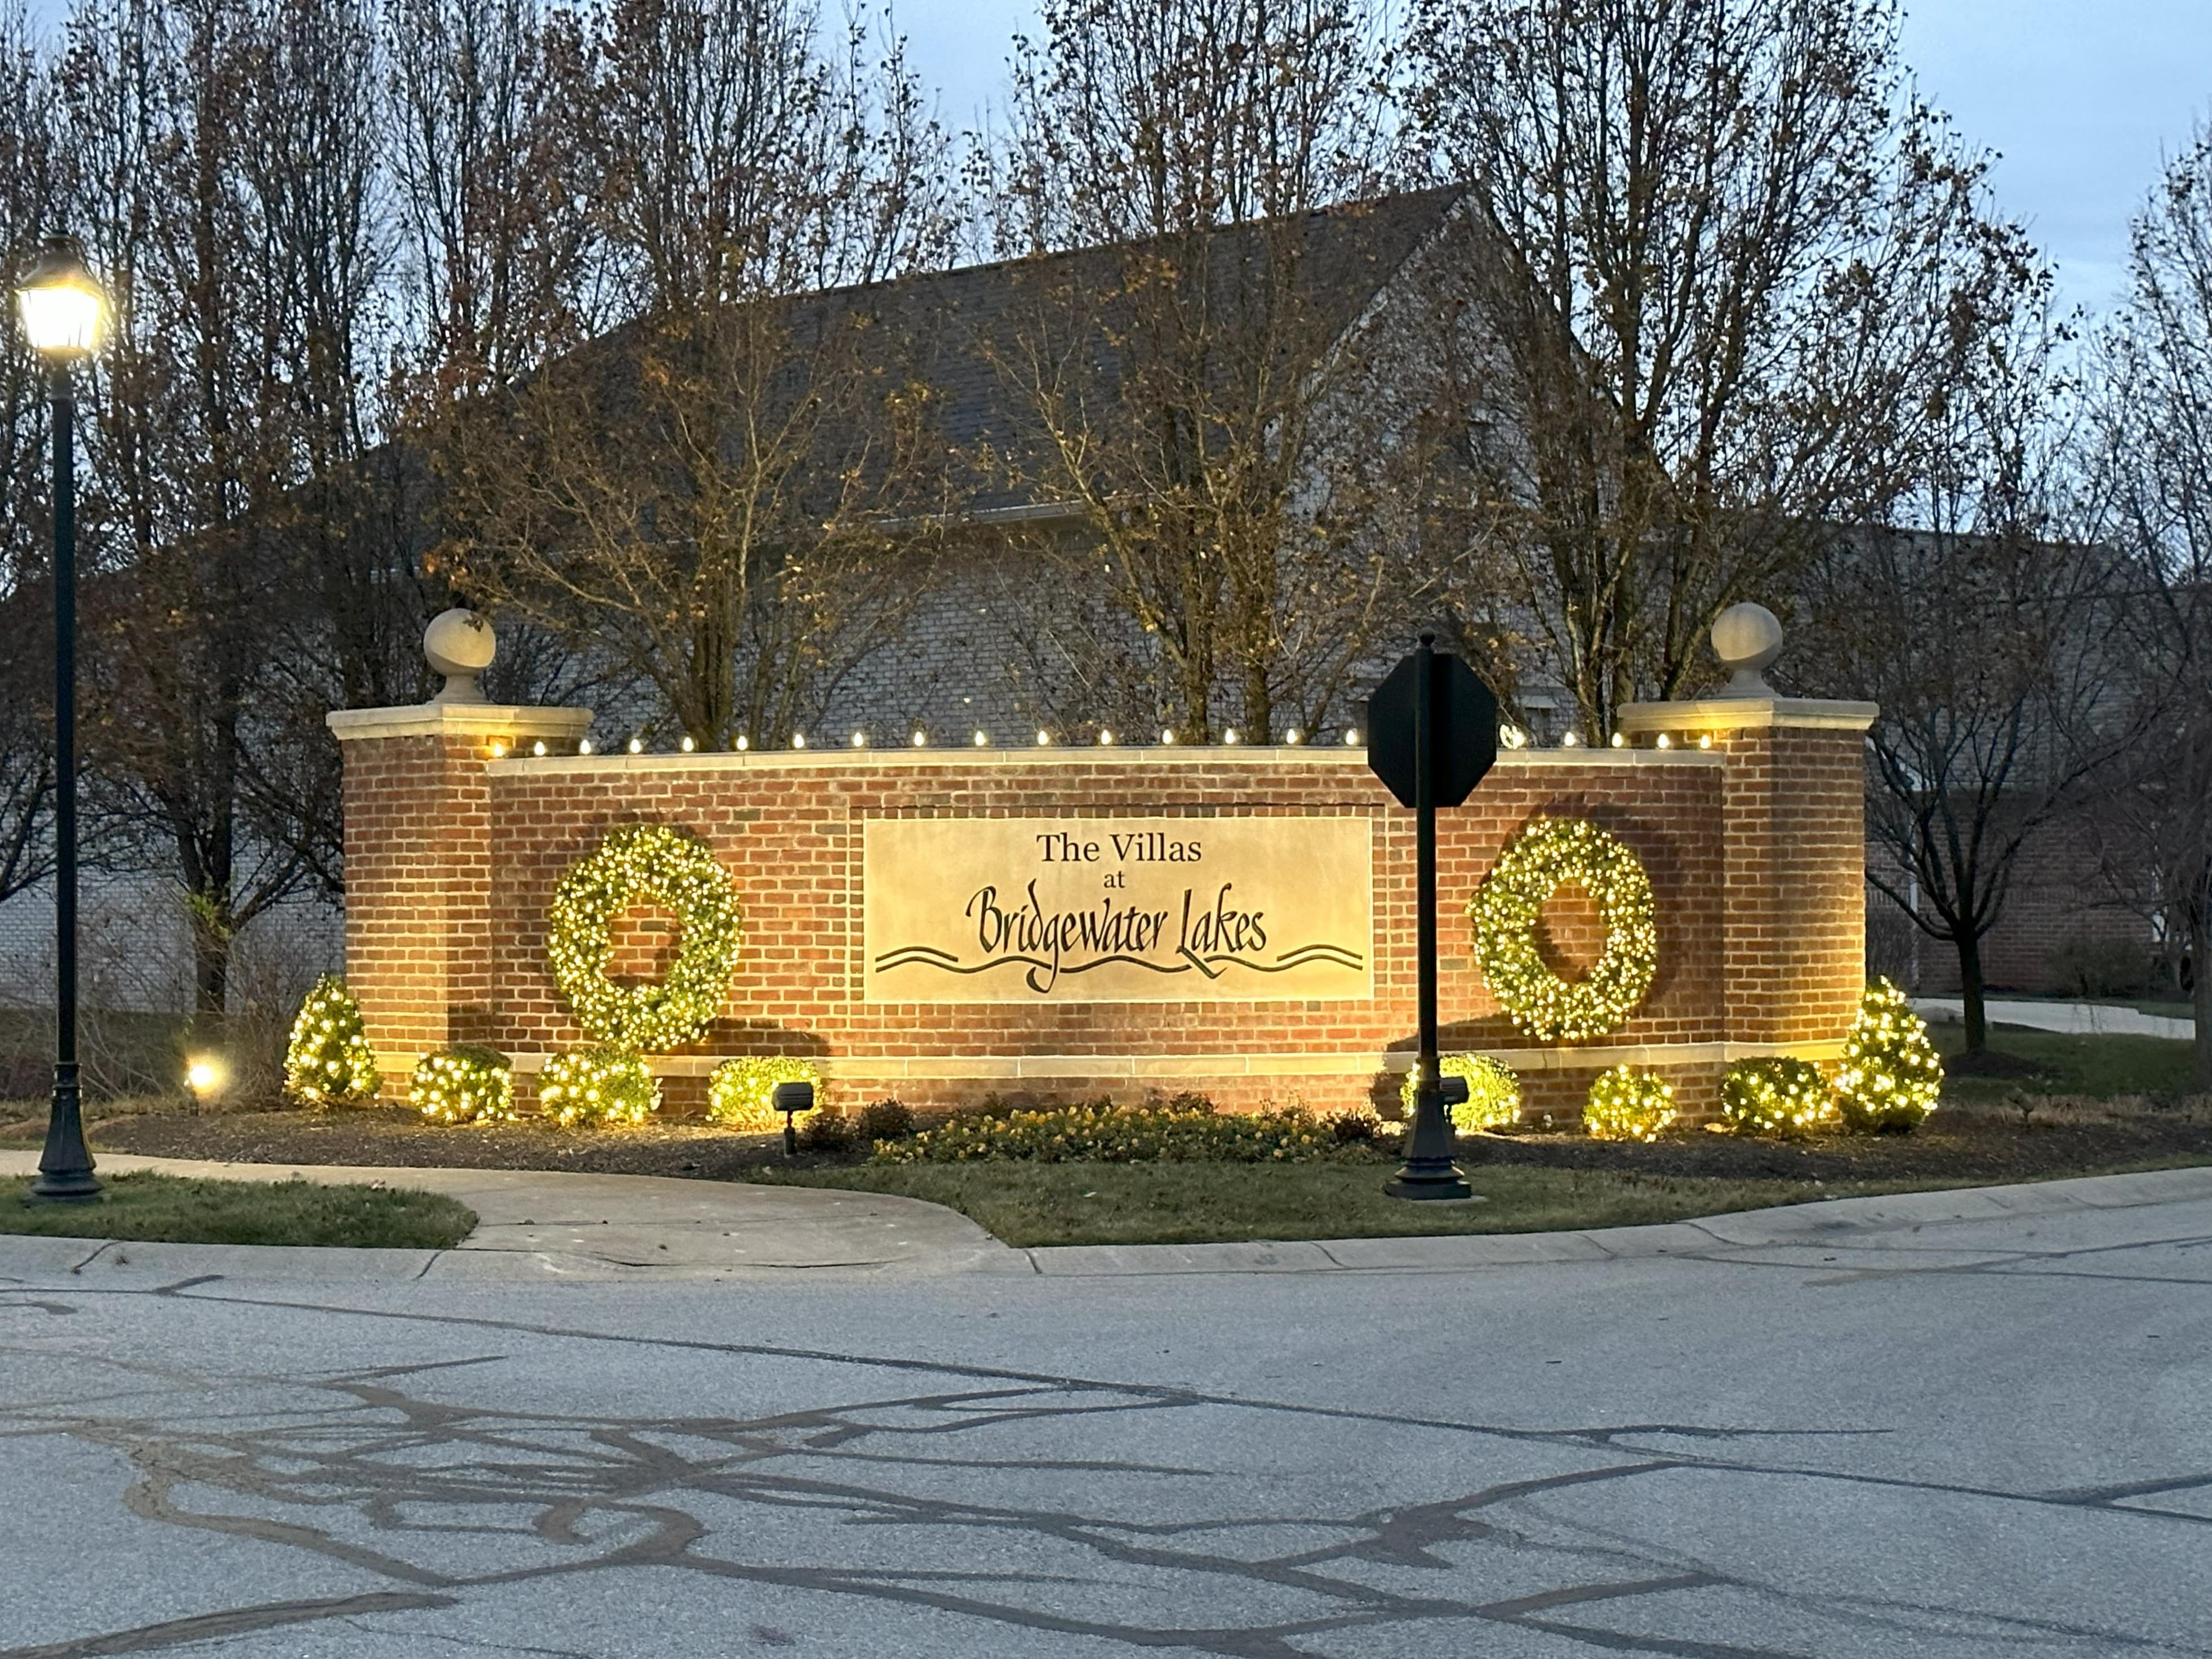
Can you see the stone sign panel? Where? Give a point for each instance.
(1114, 909)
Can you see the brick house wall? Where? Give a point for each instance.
(1753, 846)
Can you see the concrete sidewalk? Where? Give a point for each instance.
(2075, 1018)
(541, 1226)
(544, 1225)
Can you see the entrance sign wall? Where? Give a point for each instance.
(1116, 910)
(865, 953)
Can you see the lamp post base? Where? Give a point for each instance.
(66, 1167)
(1418, 1183)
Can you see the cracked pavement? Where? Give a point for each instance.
(1990, 1437)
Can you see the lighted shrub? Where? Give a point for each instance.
(1493, 1092)
(1101, 1132)
(1626, 1104)
(884, 1120)
(593, 1088)
(463, 1085)
(1890, 1074)
(1775, 1095)
(327, 1061)
(741, 1095)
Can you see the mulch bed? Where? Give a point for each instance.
(1964, 1145)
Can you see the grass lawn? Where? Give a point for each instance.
(164, 1208)
(2099, 1066)
(1026, 1203)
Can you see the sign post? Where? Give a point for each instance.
(1432, 736)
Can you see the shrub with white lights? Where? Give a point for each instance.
(644, 864)
(1626, 1104)
(1775, 1095)
(741, 1095)
(1493, 1091)
(593, 1088)
(327, 1061)
(1545, 857)
(1891, 1073)
(463, 1085)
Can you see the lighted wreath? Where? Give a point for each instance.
(1546, 856)
(644, 864)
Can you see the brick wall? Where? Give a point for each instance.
(1753, 849)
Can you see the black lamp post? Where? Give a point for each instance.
(60, 305)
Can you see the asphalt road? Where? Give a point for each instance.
(1989, 1439)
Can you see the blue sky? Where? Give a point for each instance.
(2080, 98)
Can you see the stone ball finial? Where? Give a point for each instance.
(1746, 638)
(460, 645)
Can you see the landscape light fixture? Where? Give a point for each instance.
(62, 307)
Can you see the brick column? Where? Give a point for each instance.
(1793, 830)
(418, 866)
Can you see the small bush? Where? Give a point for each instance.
(465, 1084)
(1775, 1095)
(327, 1061)
(1890, 1074)
(1354, 1128)
(826, 1131)
(1158, 1131)
(1493, 1092)
(594, 1088)
(1626, 1104)
(885, 1120)
(742, 1093)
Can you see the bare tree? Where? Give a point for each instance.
(1727, 273)
(1180, 355)
(1980, 619)
(2158, 426)
(711, 496)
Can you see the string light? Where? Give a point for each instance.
(1351, 739)
(741, 743)
(1704, 740)
(686, 745)
(981, 739)
(587, 1088)
(327, 1058)
(860, 740)
(1619, 741)
(1508, 906)
(1168, 736)
(637, 745)
(1044, 738)
(1775, 1095)
(644, 864)
(584, 747)
(1228, 736)
(798, 740)
(1572, 740)
(463, 1085)
(1891, 1076)
(1665, 742)
(1105, 736)
(1493, 1092)
(539, 748)
(1626, 1104)
(741, 1095)
(920, 738)
(498, 749)
(1293, 736)
(1512, 737)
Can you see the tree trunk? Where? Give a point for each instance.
(1970, 992)
(2200, 992)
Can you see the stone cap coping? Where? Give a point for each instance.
(1748, 713)
(461, 719)
(1317, 758)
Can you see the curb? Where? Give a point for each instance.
(1895, 1225)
